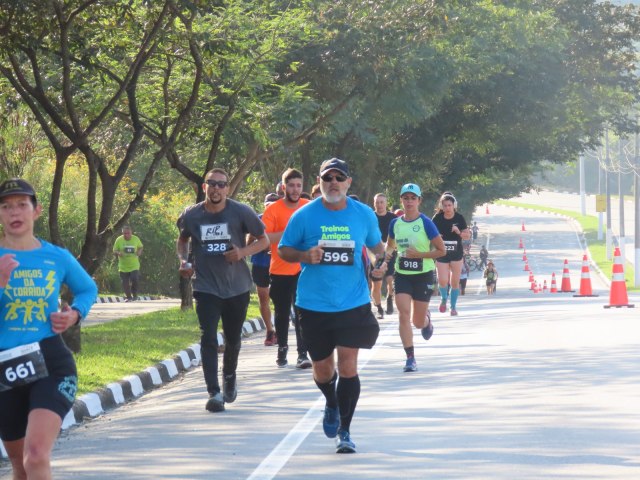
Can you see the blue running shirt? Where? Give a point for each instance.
(34, 289)
(332, 288)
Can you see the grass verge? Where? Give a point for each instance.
(597, 248)
(113, 350)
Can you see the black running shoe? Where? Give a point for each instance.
(230, 388)
(380, 315)
(389, 305)
(215, 403)
(303, 361)
(281, 361)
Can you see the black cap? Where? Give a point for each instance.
(334, 164)
(16, 186)
(271, 197)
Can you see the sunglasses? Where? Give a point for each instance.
(217, 183)
(329, 178)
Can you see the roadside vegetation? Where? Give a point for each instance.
(113, 350)
(597, 248)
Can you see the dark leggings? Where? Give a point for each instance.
(130, 282)
(233, 312)
(283, 295)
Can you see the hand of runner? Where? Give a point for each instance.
(411, 252)
(7, 265)
(234, 254)
(313, 255)
(62, 320)
(185, 270)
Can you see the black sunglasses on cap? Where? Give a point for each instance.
(217, 183)
(329, 178)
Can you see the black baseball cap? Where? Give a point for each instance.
(271, 197)
(16, 186)
(334, 164)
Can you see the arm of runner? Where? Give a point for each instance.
(439, 250)
(311, 256)
(182, 250)
(236, 253)
(389, 248)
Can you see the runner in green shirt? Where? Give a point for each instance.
(128, 248)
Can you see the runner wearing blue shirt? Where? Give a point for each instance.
(327, 237)
(38, 378)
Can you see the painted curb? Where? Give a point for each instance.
(93, 404)
(116, 299)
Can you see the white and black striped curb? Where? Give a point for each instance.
(116, 299)
(94, 404)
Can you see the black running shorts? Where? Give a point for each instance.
(56, 392)
(260, 276)
(324, 331)
(418, 286)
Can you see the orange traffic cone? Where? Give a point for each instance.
(534, 286)
(487, 210)
(523, 229)
(544, 287)
(530, 276)
(618, 295)
(566, 279)
(526, 266)
(554, 286)
(585, 280)
(521, 245)
(524, 256)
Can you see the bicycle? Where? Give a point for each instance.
(474, 263)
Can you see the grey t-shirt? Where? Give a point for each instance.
(211, 235)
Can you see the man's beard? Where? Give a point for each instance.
(289, 199)
(333, 198)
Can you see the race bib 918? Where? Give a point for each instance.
(337, 252)
(410, 264)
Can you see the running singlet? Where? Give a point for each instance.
(32, 293)
(128, 261)
(338, 283)
(211, 235)
(275, 219)
(418, 234)
(452, 241)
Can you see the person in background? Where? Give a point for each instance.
(38, 377)
(284, 275)
(217, 230)
(128, 248)
(384, 217)
(418, 242)
(315, 192)
(326, 238)
(491, 275)
(260, 274)
(454, 230)
(464, 275)
(484, 255)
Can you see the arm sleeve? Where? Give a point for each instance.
(430, 228)
(392, 224)
(82, 286)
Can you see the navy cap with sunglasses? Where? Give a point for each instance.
(334, 164)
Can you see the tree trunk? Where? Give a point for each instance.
(72, 338)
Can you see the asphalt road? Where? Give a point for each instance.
(106, 312)
(518, 386)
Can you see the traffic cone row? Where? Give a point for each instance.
(585, 280)
(618, 294)
(565, 287)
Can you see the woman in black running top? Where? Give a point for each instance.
(453, 228)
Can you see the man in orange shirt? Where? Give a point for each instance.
(284, 275)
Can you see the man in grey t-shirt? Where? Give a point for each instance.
(217, 229)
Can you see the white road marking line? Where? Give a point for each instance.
(280, 455)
